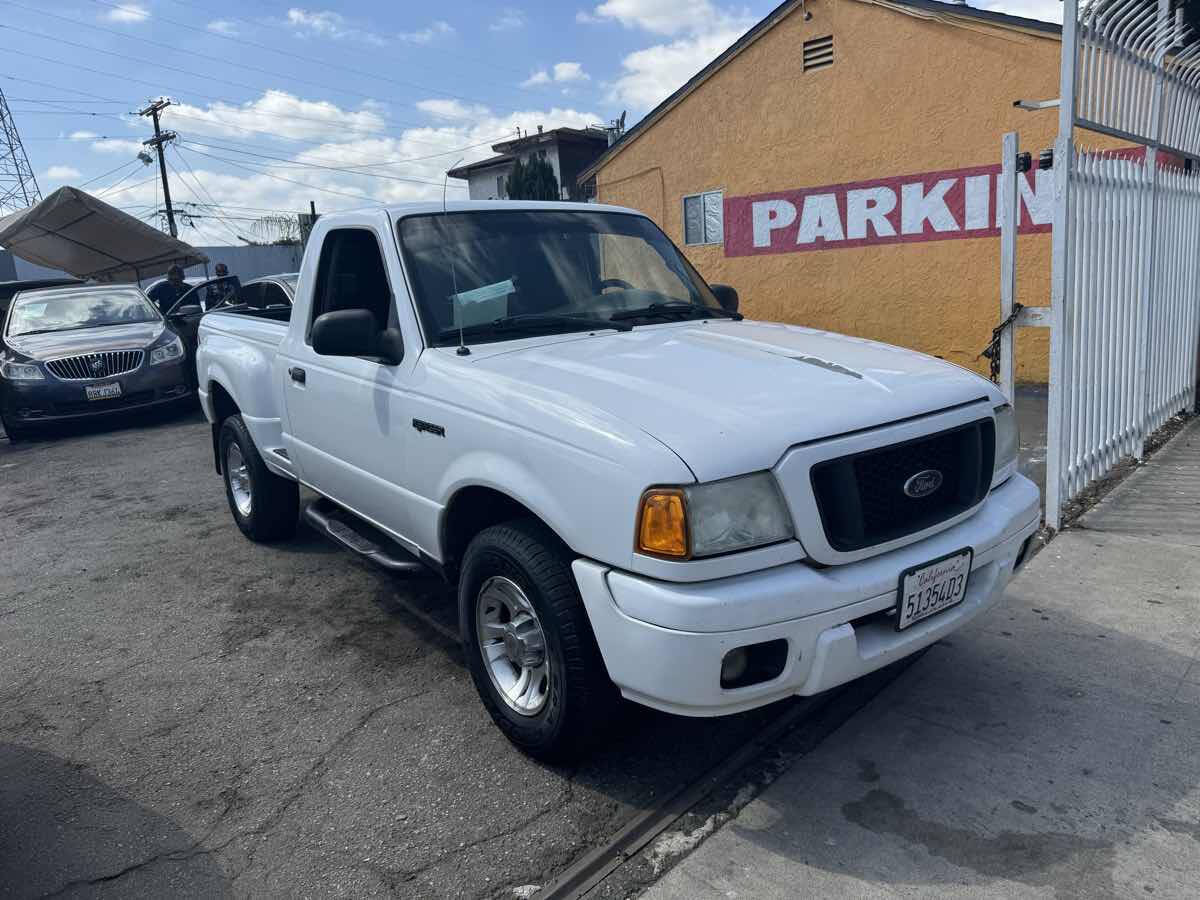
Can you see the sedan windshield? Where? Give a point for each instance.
(38, 313)
(499, 274)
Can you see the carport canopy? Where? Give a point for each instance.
(73, 231)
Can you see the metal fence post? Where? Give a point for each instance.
(1010, 220)
(1064, 151)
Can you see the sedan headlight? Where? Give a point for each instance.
(166, 352)
(1008, 442)
(21, 372)
(717, 517)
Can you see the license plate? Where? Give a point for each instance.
(103, 391)
(934, 587)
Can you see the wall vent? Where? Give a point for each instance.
(818, 53)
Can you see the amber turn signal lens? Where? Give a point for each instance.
(663, 524)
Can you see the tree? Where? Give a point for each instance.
(533, 180)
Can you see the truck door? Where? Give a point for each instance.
(349, 416)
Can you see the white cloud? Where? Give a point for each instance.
(668, 17)
(510, 19)
(427, 34)
(82, 135)
(118, 146)
(328, 24)
(222, 26)
(570, 71)
(280, 113)
(127, 12)
(62, 173)
(651, 75)
(1046, 10)
(415, 160)
(560, 72)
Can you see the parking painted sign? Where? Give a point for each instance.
(934, 206)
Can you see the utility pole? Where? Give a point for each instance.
(160, 138)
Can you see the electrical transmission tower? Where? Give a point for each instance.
(18, 187)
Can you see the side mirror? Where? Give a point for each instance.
(354, 332)
(192, 309)
(726, 296)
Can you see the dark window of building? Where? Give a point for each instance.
(703, 218)
(818, 53)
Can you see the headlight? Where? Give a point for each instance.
(1008, 442)
(166, 352)
(21, 372)
(718, 517)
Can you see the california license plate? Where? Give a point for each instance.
(934, 587)
(103, 391)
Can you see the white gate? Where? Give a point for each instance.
(1125, 288)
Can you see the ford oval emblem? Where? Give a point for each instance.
(923, 484)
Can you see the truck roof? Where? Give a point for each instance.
(398, 210)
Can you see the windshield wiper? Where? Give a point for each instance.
(675, 309)
(532, 322)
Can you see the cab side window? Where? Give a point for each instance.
(351, 275)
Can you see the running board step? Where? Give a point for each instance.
(344, 528)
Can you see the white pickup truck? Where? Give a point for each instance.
(636, 491)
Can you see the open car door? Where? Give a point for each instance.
(184, 315)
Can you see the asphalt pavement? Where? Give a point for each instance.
(185, 713)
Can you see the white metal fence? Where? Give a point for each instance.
(1130, 317)
(1125, 306)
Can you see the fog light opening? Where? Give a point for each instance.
(754, 664)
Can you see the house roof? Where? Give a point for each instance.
(464, 171)
(936, 9)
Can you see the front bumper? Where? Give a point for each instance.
(53, 400)
(663, 642)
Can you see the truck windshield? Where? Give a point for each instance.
(500, 274)
(39, 312)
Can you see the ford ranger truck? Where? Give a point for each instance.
(636, 491)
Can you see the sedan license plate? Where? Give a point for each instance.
(931, 588)
(103, 391)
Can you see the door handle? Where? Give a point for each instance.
(297, 374)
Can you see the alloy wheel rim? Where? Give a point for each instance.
(239, 479)
(513, 645)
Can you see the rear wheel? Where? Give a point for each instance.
(264, 505)
(529, 644)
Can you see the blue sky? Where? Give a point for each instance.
(277, 103)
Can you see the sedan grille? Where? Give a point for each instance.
(881, 495)
(91, 366)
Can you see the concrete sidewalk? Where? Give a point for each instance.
(1051, 749)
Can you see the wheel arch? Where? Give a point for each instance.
(223, 406)
(470, 510)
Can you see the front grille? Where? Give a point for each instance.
(91, 366)
(861, 498)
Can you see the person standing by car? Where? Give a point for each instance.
(220, 289)
(166, 293)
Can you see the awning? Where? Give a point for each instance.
(73, 231)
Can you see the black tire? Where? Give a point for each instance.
(274, 501)
(581, 700)
(15, 435)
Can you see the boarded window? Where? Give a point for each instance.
(703, 218)
(818, 53)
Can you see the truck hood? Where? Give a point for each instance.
(731, 397)
(86, 340)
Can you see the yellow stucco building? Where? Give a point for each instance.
(838, 165)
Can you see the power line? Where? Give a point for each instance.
(200, 185)
(307, 60)
(110, 172)
(130, 187)
(304, 165)
(299, 165)
(303, 184)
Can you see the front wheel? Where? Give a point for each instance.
(264, 505)
(529, 644)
